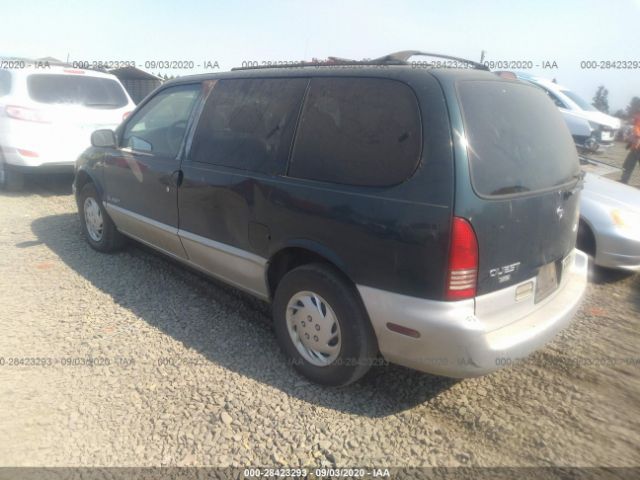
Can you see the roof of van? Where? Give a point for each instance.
(398, 72)
(394, 65)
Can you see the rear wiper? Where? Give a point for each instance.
(578, 186)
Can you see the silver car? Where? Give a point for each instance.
(609, 219)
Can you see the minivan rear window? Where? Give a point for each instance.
(358, 131)
(517, 140)
(93, 92)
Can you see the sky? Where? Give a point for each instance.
(565, 32)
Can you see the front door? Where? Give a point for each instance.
(143, 174)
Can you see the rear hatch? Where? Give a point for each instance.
(523, 179)
(75, 105)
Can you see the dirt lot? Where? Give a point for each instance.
(187, 372)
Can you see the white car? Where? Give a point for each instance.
(590, 127)
(47, 116)
(609, 228)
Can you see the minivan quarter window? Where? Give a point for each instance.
(159, 126)
(358, 131)
(248, 124)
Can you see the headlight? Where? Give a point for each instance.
(626, 219)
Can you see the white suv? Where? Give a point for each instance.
(47, 116)
(589, 127)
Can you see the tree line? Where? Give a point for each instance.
(601, 102)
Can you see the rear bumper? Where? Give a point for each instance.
(616, 249)
(473, 337)
(44, 168)
(44, 162)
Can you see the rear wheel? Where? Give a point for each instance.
(97, 226)
(322, 326)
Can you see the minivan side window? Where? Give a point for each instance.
(5, 82)
(248, 124)
(358, 131)
(159, 126)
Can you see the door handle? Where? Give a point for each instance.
(176, 178)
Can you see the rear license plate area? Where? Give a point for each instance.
(547, 280)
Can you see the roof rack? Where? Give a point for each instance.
(397, 58)
(404, 55)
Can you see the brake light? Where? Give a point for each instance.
(74, 71)
(462, 271)
(26, 114)
(125, 115)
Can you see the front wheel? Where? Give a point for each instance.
(97, 226)
(322, 326)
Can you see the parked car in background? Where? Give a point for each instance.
(626, 132)
(609, 228)
(426, 214)
(591, 129)
(47, 116)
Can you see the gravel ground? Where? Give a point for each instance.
(195, 377)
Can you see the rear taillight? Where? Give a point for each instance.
(462, 272)
(125, 115)
(26, 114)
(27, 153)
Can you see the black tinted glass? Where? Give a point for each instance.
(517, 139)
(88, 91)
(358, 131)
(248, 124)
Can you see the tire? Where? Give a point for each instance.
(10, 179)
(105, 239)
(338, 314)
(585, 240)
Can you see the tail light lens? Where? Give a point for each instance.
(125, 115)
(462, 276)
(26, 114)
(27, 153)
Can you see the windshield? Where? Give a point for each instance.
(88, 91)
(517, 140)
(578, 100)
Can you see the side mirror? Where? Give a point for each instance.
(103, 138)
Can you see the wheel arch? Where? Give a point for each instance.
(587, 237)
(82, 177)
(301, 252)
